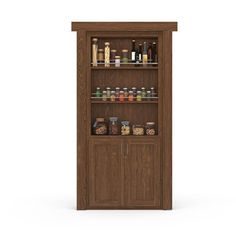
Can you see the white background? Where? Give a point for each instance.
(38, 118)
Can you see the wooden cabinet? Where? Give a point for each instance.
(115, 171)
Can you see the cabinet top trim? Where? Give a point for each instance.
(123, 26)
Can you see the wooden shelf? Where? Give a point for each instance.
(125, 102)
(125, 68)
(124, 136)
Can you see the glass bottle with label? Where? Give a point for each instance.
(133, 52)
(140, 53)
(107, 54)
(95, 51)
(150, 53)
(145, 56)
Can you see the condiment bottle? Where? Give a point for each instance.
(131, 96)
(104, 95)
(100, 55)
(143, 92)
(148, 95)
(117, 61)
(107, 54)
(113, 55)
(98, 93)
(153, 94)
(125, 58)
(121, 96)
(95, 51)
(150, 53)
(125, 92)
(117, 92)
(145, 56)
(108, 92)
(139, 96)
(134, 89)
(113, 96)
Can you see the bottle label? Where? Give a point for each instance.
(133, 56)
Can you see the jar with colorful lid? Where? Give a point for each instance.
(100, 126)
(150, 128)
(113, 126)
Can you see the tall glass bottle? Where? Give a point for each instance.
(145, 56)
(107, 54)
(133, 52)
(154, 52)
(150, 53)
(95, 52)
(140, 53)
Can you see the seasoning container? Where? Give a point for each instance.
(100, 126)
(121, 96)
(139, 96)
(125, 127)
(113, 126)
(98, 92)
(113, 55)
(149, 96)
(104, 95)
(150, 128)
(126, 93)
(95, 51)
(117, 93)
(113, 96)
(125, 58)
(138, 130)
(131, 96)
(134, 89)
(100, 55)
(117, 61)
(107, 54)
(153, 94)
(143, 92)
(108, 92)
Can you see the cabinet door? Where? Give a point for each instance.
(105, 177)
(142, 173)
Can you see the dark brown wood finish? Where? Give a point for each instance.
(124, 172)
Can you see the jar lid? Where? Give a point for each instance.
(112, 91)
(100, 49)
(113, 118)
(148, 91)
(108, 88)
(125, 88)
(98, 88)
(104, 91)
(131, 92)
(117, 57)
(95, 39)
(125, 122)
(143, 88)
(107, 43)
(152, 88)
(117, 88)
(125, 50)
(100, 119)
(134, 88)
(138, 91)
(150, 123)
(113, 50)
(121, 91)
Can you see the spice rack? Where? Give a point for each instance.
(131, 171)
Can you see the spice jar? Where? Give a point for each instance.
(107, 54)
(113, 96)
(143, 92)
(131, 96)
(98, 93)
(117, 61)
(138, 130)
(125, 127)
(134, 91)
(113, 126)
(125, 58)
(108, 92)
(100, 55)
(117, 93)
(113, 55)
(126, 93)
(95, 51)
(104, 95)
(150, 128)
(121, 96)
(139, 96)
(153, 94)
(100, 126)
(148, 95)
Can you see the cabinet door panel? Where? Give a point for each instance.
(105, 180)
(142, 173)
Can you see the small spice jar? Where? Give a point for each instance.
(125, 58)
(100, 126)
(98, 92)
(149, 96)
(126, 93)
(117, 93)
(104, 95)
(153, 93)
(121, 96)
(100, 55)
(139, 96)
(138, 130)
(134, 89)
(113, 126)
(131, 96)
(150, 128)
(113, 96)
(113, 55)
(108, 92)
(117, 61)
(107, 54)
(125, 127)
(143, 92)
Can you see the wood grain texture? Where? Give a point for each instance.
(81, 122)
(124, 26)
(167, 120)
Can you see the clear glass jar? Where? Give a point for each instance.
(126, 93)
(125, 127)
(113, 55)
(125, 56)
(107, 54)
(138, 130)
(113, 96)
(143, 92)
(98, 92)
(113, 126)
(117, 93)
(150, 128)
(131, 96)
(153, 93)
(121, 96)
(108, 92)
(134, 89)
(100, 55)
(139, 96)
(149, 97)
(100, 126)
(104, 95)
(117, 61)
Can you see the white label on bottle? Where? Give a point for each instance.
(133, 56)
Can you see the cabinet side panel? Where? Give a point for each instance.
(167, 120)
(81, 122)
